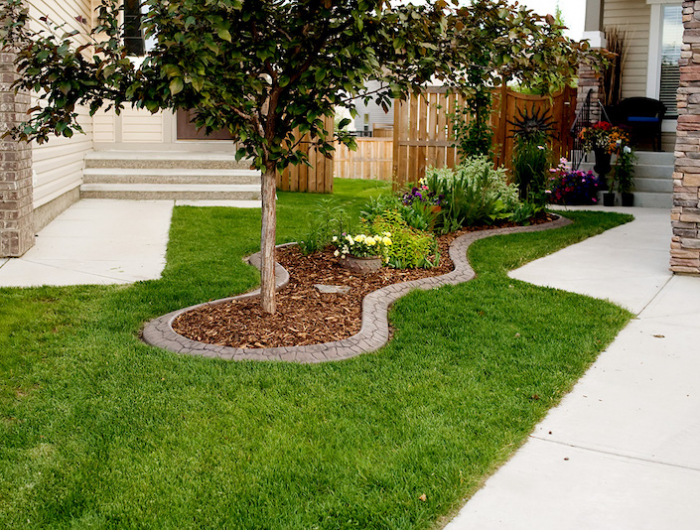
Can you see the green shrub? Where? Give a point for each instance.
(410, 248)
(473, 193)
(378, 206)
(417, 214)
(330, 220)
(525, 212)
(531, 163)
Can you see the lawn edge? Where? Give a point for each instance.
(373, 334)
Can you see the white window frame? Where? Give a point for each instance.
(654, 59)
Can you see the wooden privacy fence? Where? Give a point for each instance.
(317, 178)
(424, 135)
(372, 160)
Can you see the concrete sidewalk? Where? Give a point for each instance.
(101, 241)
(622, 451)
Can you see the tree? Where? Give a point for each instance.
(492, 42)
(263, 68)
(258, 68)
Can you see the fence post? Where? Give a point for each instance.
(502, 133)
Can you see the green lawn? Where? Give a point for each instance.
(98, 430)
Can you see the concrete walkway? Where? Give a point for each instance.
(101, 241)
(622, 451)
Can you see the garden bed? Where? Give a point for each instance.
(304, 315)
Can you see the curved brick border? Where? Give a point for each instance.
(375, 327)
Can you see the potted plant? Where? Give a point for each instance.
(624, 175)
(604, 139)
(362, 254)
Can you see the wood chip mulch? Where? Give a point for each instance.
(305, 316)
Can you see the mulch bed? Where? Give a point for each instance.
(305, 316)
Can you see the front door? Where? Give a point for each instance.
(186, 130)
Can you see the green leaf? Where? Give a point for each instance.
(176, 85)
(198, 83)
(223, 32)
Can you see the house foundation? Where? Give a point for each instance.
(16, 189)
(685, 215)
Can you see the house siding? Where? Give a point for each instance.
(140, 126)
(376, 113)
(58, 164)
(633, 17)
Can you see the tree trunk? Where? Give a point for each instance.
(267, 239)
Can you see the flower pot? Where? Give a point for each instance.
(608, 199)
(362, 265)
(627, 199)
(602, 166)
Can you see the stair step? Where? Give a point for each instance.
(663, 185)
(654, 172)
(655, 159)
(171, 191)
(653, 200)
(653, 182)
(163, 160)
(170, 176)
(644, 199)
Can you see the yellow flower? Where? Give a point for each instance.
(370, 241)
(386, 241)
(359, 238)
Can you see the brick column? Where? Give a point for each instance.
(588, 79)
(16, 190)
(685, 215)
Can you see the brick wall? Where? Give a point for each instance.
(685, 215)
(16, 209)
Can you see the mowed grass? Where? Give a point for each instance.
(98, 430)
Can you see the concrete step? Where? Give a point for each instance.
(654, 172)
(644, 199)
(653, 183)
(653, 200)
(211, 192)
(170, 176)
(652, 158)
(641, 171)
(646, 158)
(663, 185)
(163, 160)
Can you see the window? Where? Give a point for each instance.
(133, 35)
(671, 40)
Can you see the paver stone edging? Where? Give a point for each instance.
(375, 326)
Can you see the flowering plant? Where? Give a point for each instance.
(363, 246)
(422, 193)
(604, 135)
(624, 170)
(571, 187)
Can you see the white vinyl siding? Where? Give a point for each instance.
(633, 17)
(58, 164)
(140, 126)
(104, 127)
(375, 112)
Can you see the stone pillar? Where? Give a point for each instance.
(685, 215)
(16, 190)
(588, 79)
